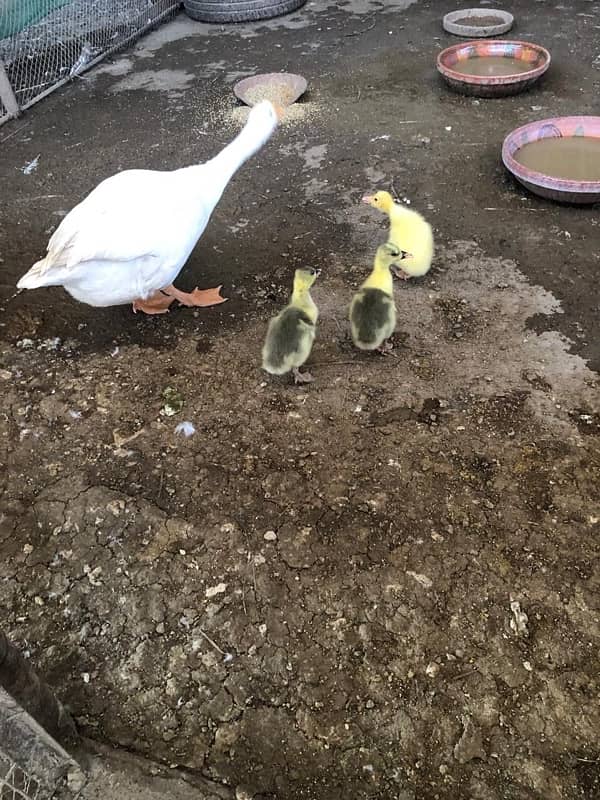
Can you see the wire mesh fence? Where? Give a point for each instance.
(45, 43)
(33, 766)
(15, 783)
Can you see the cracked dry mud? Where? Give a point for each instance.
(353, 570)
(383, 585)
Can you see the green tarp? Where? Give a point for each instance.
(18, 14)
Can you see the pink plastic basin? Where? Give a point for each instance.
(560, 189)
(535, 56)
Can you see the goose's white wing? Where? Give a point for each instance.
(124, 218)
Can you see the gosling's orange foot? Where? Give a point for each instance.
(199, 298)
(157, 303)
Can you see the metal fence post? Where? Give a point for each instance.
(7, 96)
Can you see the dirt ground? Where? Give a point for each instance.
(382, 585)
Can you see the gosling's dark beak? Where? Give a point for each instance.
(317, 273)
(404, 255)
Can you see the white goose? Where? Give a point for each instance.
(130, 237)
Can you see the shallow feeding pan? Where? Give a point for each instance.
(282, 88)
(557, 158)
(493, 68)
(475, 23)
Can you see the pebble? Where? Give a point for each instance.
(432, 669)
(214, 590)
(270, 536)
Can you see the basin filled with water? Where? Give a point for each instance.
(557, 158)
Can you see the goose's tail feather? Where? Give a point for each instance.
(39, 275)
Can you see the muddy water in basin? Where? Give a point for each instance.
(492, 65)
(575, 158)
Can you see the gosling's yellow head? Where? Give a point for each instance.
(304, 278)
(388, 254)
(381, 200)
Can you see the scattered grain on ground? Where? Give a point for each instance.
(299, 112)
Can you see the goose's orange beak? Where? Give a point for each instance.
(279, 110)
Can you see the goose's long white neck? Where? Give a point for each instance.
(251, 138)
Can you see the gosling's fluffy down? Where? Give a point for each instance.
(408, 231)
(291, 333)
(372, 311)
(372, 318)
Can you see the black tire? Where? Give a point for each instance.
(239, 10)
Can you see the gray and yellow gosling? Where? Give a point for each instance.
(372, 311)
(291, 333)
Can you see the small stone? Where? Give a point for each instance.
(270, 536)
(160, 628)
(432, 669)
(27, 548)
(214, 590)
(86, 677)
(519, 619)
